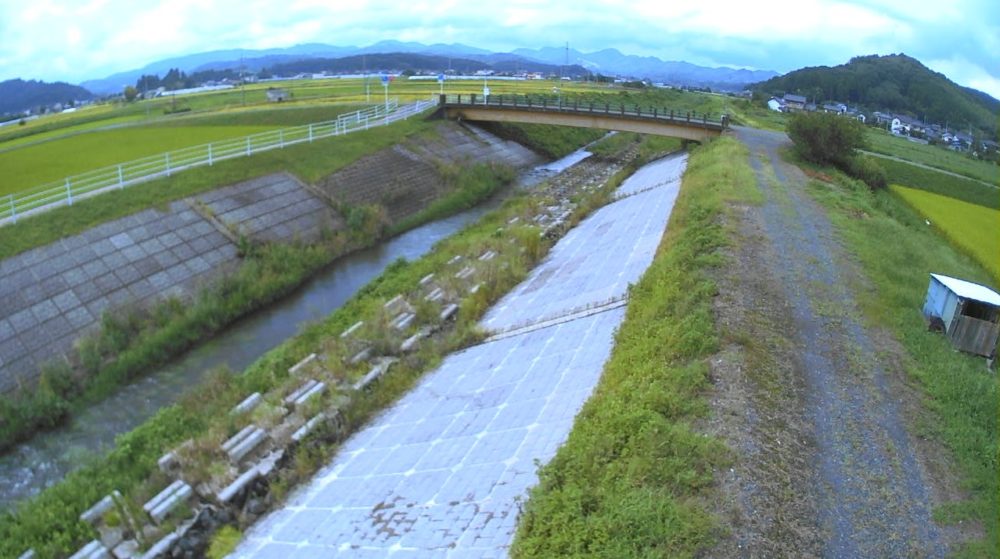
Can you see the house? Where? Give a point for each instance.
(277, 95)
(776, 104)
(794, 102)
(836, 108)
(967, 313)
(882, 118)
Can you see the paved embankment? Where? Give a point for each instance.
(50, 296)
(442, 472)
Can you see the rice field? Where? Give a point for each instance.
(972, 228)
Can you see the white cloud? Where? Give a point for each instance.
(80, 39)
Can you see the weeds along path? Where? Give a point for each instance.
(805, 392)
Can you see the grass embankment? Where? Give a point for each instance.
(551, 141)
(938, 157)
(939, 183)
(972, 228)
(49, 522)
(310, 162)
(631, 478)
(960, 396)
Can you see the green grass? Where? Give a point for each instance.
(934, 156)
(633, 476)
(939, 183)
(897, 251)
(310, 162)
(972, 228)
(32, 166)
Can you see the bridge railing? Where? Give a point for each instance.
(65, 191)
(553, 103)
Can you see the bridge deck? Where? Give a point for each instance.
(608, 116)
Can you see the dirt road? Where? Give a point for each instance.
(808, 396)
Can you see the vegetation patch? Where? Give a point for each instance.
(308, 161)
(632, 479)
(935, 156)
(549, 140)
(972, 228)
(940, 183)
(829, 139)
(961, 396)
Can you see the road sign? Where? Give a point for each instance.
(385, 79)
(440, 78)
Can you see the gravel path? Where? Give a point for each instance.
(866, 491)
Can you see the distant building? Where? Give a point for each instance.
(967, 313)
(277, 95)
(776, 104)
(794, 102)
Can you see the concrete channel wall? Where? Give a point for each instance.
(51, 295)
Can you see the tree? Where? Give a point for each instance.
(826, 138)
(131, 93)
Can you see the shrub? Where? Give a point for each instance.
(826, 139)
(868, 170)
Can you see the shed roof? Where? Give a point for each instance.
(969, 290)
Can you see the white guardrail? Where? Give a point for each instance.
(65, 191)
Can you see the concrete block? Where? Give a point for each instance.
(243, 443)
(354, 328)
(513, 220)
(435, 295)
(403, 321)
(162, 547)
(465, 272)
(248, 404)
(30, 554)
(93, 550)
(487, 256)
(233, 489)
(167, 500)
(409, 344)
(475, 288)
(449, 311)
(455, 259)
(167, 462)
(395, 305)
(294, 369)
(128, 549)
(424, 281)
(303, 393)
(94, 513)
(360, 356)
(303, 431)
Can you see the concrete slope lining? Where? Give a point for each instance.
(441, 473)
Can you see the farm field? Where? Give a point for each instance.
(933, 156)
(973, 228)
(34, 165)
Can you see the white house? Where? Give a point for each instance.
(775, 104)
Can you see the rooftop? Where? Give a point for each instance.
(969, 290)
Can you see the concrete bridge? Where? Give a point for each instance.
(564, 112)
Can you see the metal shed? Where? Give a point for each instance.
(969, 313)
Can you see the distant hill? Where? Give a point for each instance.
(609, 62)
(401, 61)
(896, 83)
(17, 96)
(612, 62)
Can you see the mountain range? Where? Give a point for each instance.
(608, 62)
(17, 95)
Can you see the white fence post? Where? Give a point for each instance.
(13, 210)
(121, 178)
(248, 146)
(69, 192)
(310, 133)
(209, 155)
(166, 158)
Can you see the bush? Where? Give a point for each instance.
(825, 138)
(868, 171)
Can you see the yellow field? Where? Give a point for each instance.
(975, 229)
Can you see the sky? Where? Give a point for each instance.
(77, 40)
